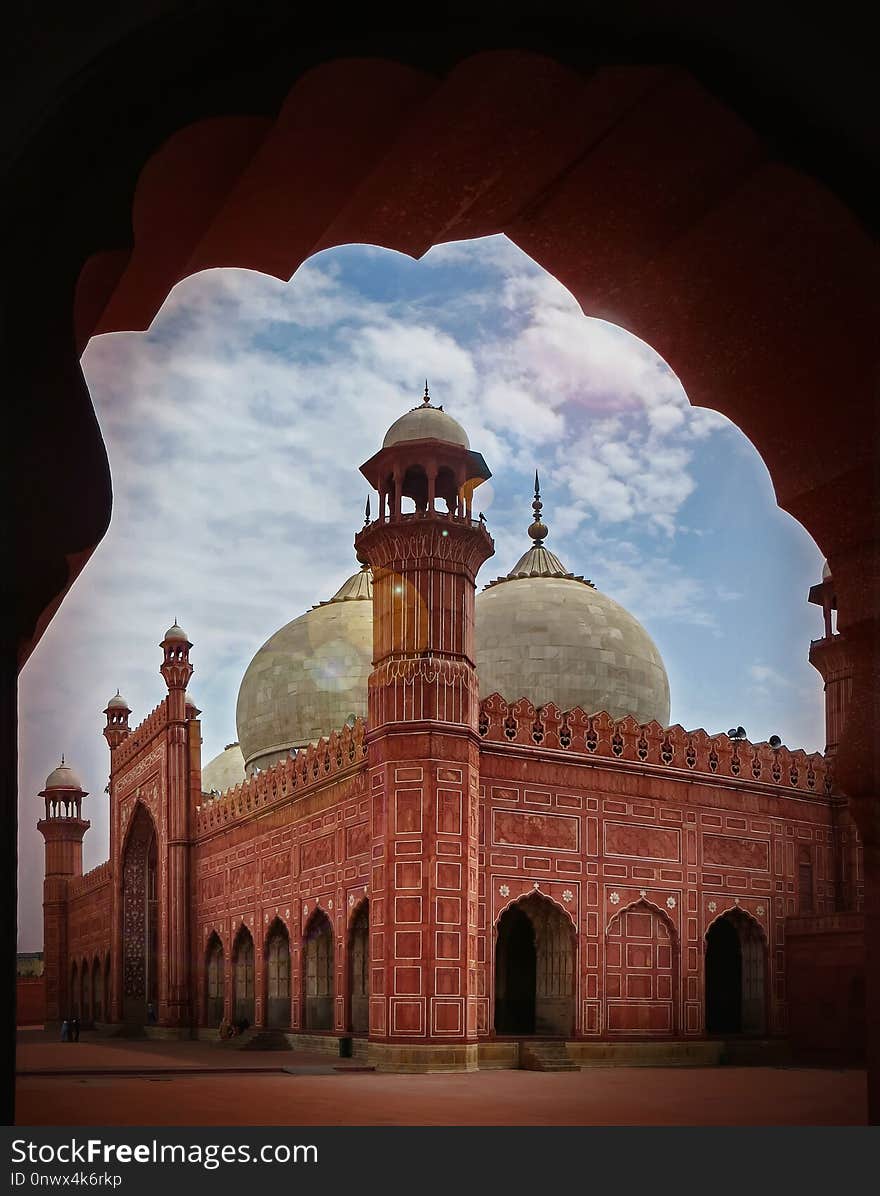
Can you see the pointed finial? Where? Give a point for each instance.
(367, 512)
(427, 397)
(538, 530)
(62, 757)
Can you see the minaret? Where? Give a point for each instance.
(830, 657)
(422, 743)
(176, 1009)
(62, 829)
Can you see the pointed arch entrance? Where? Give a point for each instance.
(140, 919)
(97, 991)
(736, 999)
(243, 977)
(318, 973)
(278, 976)
(214, 981)
(534, 969)
(359, 970)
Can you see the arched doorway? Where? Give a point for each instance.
(108, 993)
(735, 976)
(243, 979)
(74, 992)
(318, 973)
(140, 921)
(359, 970)
(214, 981)
(534, 969)
(278, 976)
(97, 991)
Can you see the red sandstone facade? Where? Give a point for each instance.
(453, 875)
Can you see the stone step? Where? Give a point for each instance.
(264, 1040)
(545, 1056)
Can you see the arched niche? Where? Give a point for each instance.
(641, 972)
(359, 970)
(215, 980)
(318, 973)
(243, 977)
(140, 919)
(736, 989)
(535, 969)
(278, 976)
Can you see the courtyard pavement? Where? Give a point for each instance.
(117, 1082)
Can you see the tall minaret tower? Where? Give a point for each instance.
(176, 1009)
(62, 828)
(830, 657)
(422, 742)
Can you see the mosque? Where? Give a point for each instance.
(457, 827)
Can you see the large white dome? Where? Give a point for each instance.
(309, 678)
(548, 636)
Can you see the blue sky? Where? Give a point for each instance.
(235, 428)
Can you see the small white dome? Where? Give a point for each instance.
(63, 777)
(224, 771)
(426, 423)
(176, 632)
(118, 702)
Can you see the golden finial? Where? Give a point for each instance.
(538, 530)
(427, 398)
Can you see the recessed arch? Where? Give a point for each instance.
(215, 980)
(318, 973)
(277, 953)
(140, 917)
(736, 971)
(243, 978)
(535, 968)
(359, 968)
(641, 971)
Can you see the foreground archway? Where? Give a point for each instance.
(736, 1000)
(318, 973)
(534, 969)
(754, 218)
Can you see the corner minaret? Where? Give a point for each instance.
(422, 742)
(176, 1009)
(830, 657)
(62, 829)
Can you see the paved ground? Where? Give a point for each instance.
(209, 1088)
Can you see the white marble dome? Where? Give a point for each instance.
(544, 634)
(309, 678)
(225, 770)
(63, 777)
(426, 423)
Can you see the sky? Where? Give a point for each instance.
(235, 428)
